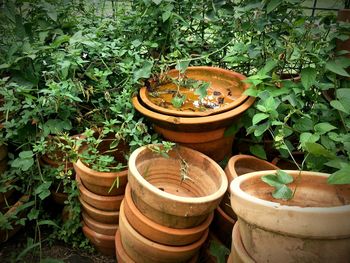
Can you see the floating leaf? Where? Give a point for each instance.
(284, 193)
(284, 178)
(178, 101)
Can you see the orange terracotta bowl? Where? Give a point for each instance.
(143, 250)
(101, 202)
(107, 217)
(102, 228)
(122, 256)
(161, 194)
(226, 83)
(103, 243)
(159, 233)
(205, 134)
(222, 226)
(100, 182)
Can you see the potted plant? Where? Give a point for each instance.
(186, 115)
(310, 213)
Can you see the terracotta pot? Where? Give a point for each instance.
(103, 243)
(161, 195)
(102, 228)
(158, 233)
(122, 256)
(205, 134)
(6, 234)
(143, 250)
(238, 165)
(222, 225)
(238, 252)
(316, 219)
(108, 217)
(101, 202)
(101, 182)
(224, 82)
(230, 260)
(59, 197)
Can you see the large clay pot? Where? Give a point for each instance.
(238, 165)
(226, 84)
(108, 217)
(159, 233)
(238, 252)
(103, 243)
(102, 228)
(100, 182)
(205, 134)
(160, 193)
(101, 202)
(316, 219)
(122, 256)
(143, 250)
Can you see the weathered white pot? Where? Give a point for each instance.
(312, 227)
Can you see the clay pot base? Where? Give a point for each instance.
(101, 202)
(159, 233)
(103, 243)
(238, 252)
(146, 251)
(108, 217)
(222, 225)
(122, 256)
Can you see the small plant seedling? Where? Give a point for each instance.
(279, 181)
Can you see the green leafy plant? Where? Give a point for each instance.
(279, 181)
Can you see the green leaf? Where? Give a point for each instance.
(258, 150)
(157, 2)
(178, 101)
(202, 90)
(26, 154)
(270, 65)
(259, 117)
(308, 77)
(324, 127)
(144, 71)
(271, 179)
(336, 104)
(182, 65)
(43, 190)
(33, 214)
(284, 178)
(341, 176)
(232, 130)
(284, 193)
(219, 251)
(304, 124)
(166, 15)
(318, 150)
(336, 68)
(261, 129)
(272, 5)
(47, 223)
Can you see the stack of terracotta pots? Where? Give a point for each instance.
(225, 218)
(100, 204)
(203, 128)
(168, 205)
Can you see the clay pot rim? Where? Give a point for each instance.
(100, 198)
(97, 235)
(161, 228)
(180, 199)
(124, 223)
(192, 120)
(98, 211)
(231, 165)
(102, 175)
(225, 216)
(216, 70)
(275, 216)
(238, 246)
(105, 226)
